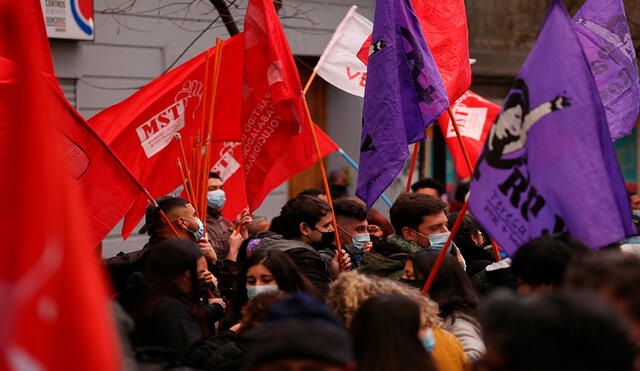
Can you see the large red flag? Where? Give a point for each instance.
(276, 137)
(474, 116)
(107, 189)
(444, 25)
(55, 310)
(141, 129)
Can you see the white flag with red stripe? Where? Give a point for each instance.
(339, 64)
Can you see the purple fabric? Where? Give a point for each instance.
(404, 94)
(548, 164)
(603, 32)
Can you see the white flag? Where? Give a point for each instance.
(339, 64)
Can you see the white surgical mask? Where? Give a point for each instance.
(361, 240)
(253, 291)
(216, 199)
(437, 240)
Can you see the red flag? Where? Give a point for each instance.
(107, 189)
(141, 129)
(55, 308)
(474, 116)
(276, 139)
(444, 25)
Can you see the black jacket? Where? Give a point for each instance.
(174, 328)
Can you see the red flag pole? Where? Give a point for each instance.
(207, 136)
(443, 252)
(324, 178)
(416, 146)
(467, 160)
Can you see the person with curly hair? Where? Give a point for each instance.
(352, 289)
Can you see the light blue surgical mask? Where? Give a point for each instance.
(361, 240)
(636, 213)
(254, 290)
(437, 240)
(200, 232)
(216, 199)
(428, 341)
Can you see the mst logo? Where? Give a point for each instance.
(158, 131)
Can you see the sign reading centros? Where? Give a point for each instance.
(69, 19)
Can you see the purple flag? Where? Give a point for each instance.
(548, 164)
(403, 95)
(603, 32)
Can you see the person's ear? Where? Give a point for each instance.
(305, 230)
(408, 234)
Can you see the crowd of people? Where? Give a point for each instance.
(259, 294)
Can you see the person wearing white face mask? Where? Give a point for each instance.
(420, 223)
(351, 217)
(267, 269)
(219, 228)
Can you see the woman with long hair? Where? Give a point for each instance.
(455, 295)
(352, 289)
(171, 319)
(388, 334)
(266, 269)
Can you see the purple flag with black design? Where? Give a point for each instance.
(548, 164)
(603, 32)
(404, 94)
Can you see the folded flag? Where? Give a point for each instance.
(404, 94)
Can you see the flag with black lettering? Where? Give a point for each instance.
(548, 164)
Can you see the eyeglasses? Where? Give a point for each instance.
(371, 229)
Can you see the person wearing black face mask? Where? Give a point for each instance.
(307, 237)
(172, 323)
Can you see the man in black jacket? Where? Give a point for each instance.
(306, 225)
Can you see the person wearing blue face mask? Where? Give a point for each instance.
(219, 228)
(351, 217)
(419, 222)
(388, 334)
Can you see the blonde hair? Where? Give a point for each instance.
(351, 289)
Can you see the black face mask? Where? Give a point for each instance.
(201, 290)
(413, 283)
(326, 242)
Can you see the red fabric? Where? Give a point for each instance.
(55, 308)
(444, 25)
(474, 116)
(363, 53)
(169, 104)
(226, 160)
(276, 140)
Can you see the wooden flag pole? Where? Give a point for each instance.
(416, 146)
(188, 191)
(204, 171)
(324, 179)
(443, 252)
(308, 85)
(178, 138)
(467, 160)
